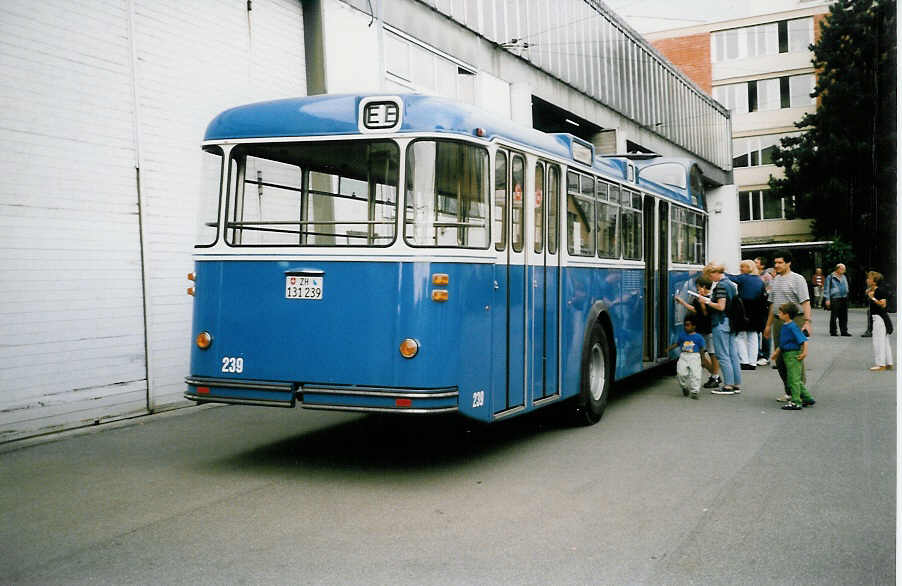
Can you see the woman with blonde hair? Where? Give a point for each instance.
(724, 340)
(881, 324)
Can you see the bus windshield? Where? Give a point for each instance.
(333, 193)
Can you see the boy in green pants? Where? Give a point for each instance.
(794, 346)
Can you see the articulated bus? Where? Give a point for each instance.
(410, 254)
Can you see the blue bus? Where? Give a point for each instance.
(410, 254)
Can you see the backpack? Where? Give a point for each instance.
(736, 313)
(890, 298)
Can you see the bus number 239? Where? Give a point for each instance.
(232, 364)
(478, 399)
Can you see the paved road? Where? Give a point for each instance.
(665, 490)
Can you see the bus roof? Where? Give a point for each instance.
(337, 115)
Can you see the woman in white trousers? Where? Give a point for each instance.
(881, 324)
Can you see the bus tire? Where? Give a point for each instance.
(595, 378)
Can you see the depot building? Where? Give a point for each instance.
(106, 105)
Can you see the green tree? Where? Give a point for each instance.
(842, 168)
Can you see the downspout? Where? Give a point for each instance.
(142, 210)
(380, 43)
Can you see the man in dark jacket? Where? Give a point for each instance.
(836, 299)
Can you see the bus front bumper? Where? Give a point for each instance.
(317, 396)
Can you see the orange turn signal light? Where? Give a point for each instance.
(440, 279)
(409, 348)
(204, 340)
(191, 277)
(190, 291)
(440, 295)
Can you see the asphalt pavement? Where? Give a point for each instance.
(664, 490)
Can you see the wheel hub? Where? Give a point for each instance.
(596, 372)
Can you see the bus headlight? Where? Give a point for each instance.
(204, 340)
(409, 348)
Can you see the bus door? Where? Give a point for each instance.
(650, 294)
(509, 317)
(657, 291)
(544, 292)
(665, 302)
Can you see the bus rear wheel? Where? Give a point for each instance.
(595, 379)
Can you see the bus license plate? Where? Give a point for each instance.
(307, 288)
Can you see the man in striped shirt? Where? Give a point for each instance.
(787, 286)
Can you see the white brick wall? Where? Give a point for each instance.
(71, 323)
(72, 340)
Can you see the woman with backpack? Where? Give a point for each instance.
(754, 302)
(724, 340)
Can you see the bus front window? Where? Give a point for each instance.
(447, 189)
(335, 193)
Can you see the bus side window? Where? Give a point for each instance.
(553, 196)
(500, 200)
(540, 208)
(607, 213)
(631, 220)
(697, 243)
(580, 215)
(518, 174)
(678, 234)
(687, 241)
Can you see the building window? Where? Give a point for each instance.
(762, 205)
(410, 65)
(800, 89)
(765, 95)
(735, 97)
(785, 36)
(801, 34)
(757, 150)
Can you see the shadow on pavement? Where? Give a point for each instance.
(398, 443)
(392, 443)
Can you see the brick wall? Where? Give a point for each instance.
(818, 22)
(692, 54)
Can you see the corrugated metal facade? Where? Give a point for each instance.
(584, 44)
(103, 101)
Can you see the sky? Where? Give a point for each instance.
(653, 15)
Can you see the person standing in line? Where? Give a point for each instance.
(767, 276)
(882, 325)
(754, 298)
(724, 339)
(702, 320)
(792, 350)
(836, 299)
(787, 286)
(817, 287)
